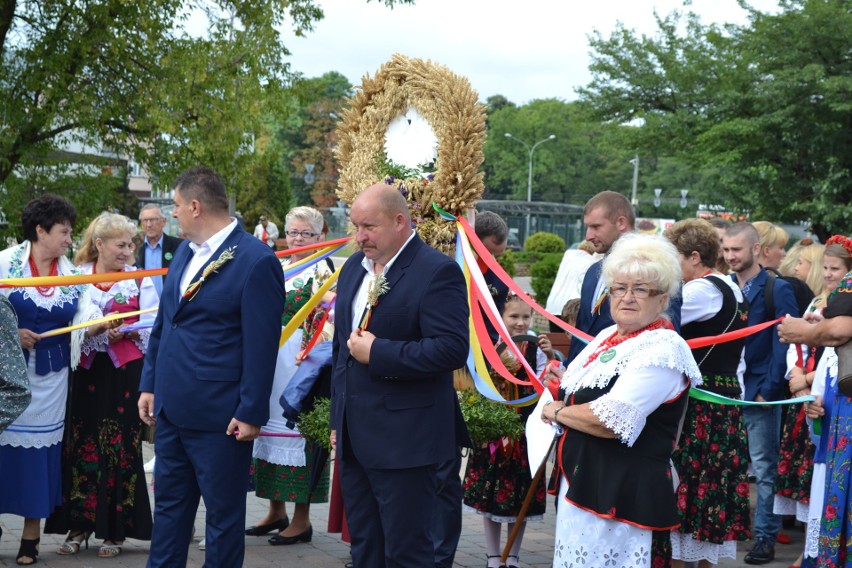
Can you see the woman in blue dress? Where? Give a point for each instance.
(31, 447)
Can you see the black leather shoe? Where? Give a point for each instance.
(261, 530)
(278, 539)
(763, 552)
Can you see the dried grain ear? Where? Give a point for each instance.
(451, 107)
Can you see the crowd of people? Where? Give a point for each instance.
(644, 474)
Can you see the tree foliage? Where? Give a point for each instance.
(135, 77)
(762, 110)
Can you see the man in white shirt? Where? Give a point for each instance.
(266, 231)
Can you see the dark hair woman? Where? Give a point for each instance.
(31, 448)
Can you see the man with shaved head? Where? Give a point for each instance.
(766, 366)
(401, 330)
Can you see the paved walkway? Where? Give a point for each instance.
(325, 550)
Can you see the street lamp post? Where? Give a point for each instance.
(531, 150)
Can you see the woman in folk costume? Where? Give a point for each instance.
(283, 465)
(104, 490)
(622, 401)
(31, 447)
(830, 514)
(498, 473)
(712, 454)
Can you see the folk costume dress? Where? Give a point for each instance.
(825, 385)
(282, 464)
(498, 476)
(31, 447)
(711, 458)
(796, 455)
(104, 488)
(835, 531)
(616, 501)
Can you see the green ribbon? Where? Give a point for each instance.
(707, 396)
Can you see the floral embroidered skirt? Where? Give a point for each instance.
(103, 488)
(497, 479)
(712, 461)
(796, 458)
(835, 529)
(291, 483)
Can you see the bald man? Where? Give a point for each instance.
(401, 331)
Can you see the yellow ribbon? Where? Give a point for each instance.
(308, 259)
(111, 317)
(302, 314)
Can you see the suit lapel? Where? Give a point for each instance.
(231, 240)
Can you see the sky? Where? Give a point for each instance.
(523, 50)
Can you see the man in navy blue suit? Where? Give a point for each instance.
(607, 216)
(208, 373)
(401, 330)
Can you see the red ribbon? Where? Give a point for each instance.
(492, 264)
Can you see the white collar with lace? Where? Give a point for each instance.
(654, 348)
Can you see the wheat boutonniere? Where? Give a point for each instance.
(192, 289)
(378, 287)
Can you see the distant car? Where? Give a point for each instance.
(512, 243)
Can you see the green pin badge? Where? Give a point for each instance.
(608, 356)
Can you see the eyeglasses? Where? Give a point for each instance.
(150, 220)
(639, 292)
(303, 234)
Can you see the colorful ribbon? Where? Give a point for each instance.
(707, 396)
(288, 252)
(303, 312)
(77, 279)
(110, 317)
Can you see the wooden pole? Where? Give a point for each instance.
(526, 505)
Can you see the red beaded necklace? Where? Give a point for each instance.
(614, 340)
(45, 291)
(103, 286)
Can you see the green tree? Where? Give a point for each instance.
(130, 75)
(310, 135)
(761, 112)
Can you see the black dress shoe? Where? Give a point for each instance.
(278, 539)
(763, 552)
(261, 530)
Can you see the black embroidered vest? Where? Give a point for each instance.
(628, 484)
(718, 363)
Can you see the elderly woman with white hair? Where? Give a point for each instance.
(622, 401)
(283, 465)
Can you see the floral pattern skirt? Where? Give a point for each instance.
(103, 487)
(497, 480)
(796, 458)
(712, 462)
(835, 528)
(291, 483)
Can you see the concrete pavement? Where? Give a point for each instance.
(325, 550)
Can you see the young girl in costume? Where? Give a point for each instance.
(498, 472)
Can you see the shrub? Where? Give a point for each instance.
(543, 272)
(544, 242)
(507, 261)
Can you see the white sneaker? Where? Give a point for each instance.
(149, 467)
(202, 544)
